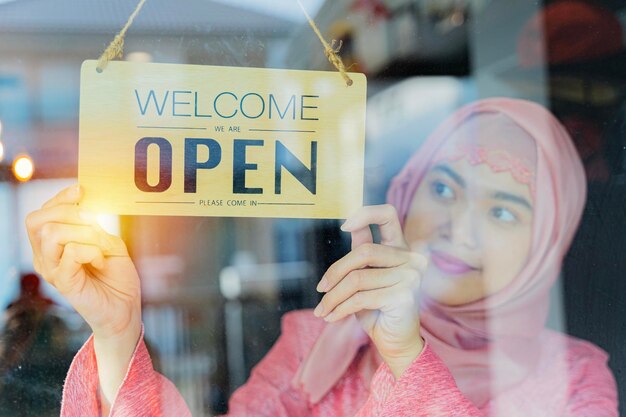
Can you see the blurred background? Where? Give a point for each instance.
(215, 288)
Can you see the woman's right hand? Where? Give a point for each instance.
(92, 270)
(90, 267)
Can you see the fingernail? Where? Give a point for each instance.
(318, 310)
(323, 285)
(346, 225)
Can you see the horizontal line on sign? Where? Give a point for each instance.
(287, 204)
(165, 202)
(281, 130)
(171, 127)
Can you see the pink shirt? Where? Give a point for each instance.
(576, 377)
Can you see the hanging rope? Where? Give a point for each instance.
(116, 47)
(331, 51)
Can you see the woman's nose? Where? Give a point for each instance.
(462, 227)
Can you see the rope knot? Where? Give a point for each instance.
(329, 50)
(116, 47)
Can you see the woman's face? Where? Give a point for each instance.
(474, 225)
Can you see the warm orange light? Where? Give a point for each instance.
(23, 168)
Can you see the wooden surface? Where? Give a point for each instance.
(264, 127)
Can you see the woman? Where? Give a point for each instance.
(444, 317)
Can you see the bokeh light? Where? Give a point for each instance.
(139, 56)
(23, 168)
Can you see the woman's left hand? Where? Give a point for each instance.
(379, 283)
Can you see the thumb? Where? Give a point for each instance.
(361, 236)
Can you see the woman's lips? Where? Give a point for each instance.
(449, 264)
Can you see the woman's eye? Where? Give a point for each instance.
(503, 215)
(441, 190)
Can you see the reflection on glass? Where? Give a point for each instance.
(34, 353)
(450, 300)
(446, 312)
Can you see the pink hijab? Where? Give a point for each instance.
(492, 344)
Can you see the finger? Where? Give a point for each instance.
(68, 195)
(50, 250)
(67, 276)
(361, 236)
(115, 244)
(379, 299)
(92, 234)
(367, 255)
(56, 235)
(363, 280)
(62, 213)
(385, 216)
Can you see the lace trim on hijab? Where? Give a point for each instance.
(498, 160)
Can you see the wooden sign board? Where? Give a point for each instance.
(191, 140)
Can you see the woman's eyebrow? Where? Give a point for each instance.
(501, 195)
(451, 173)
